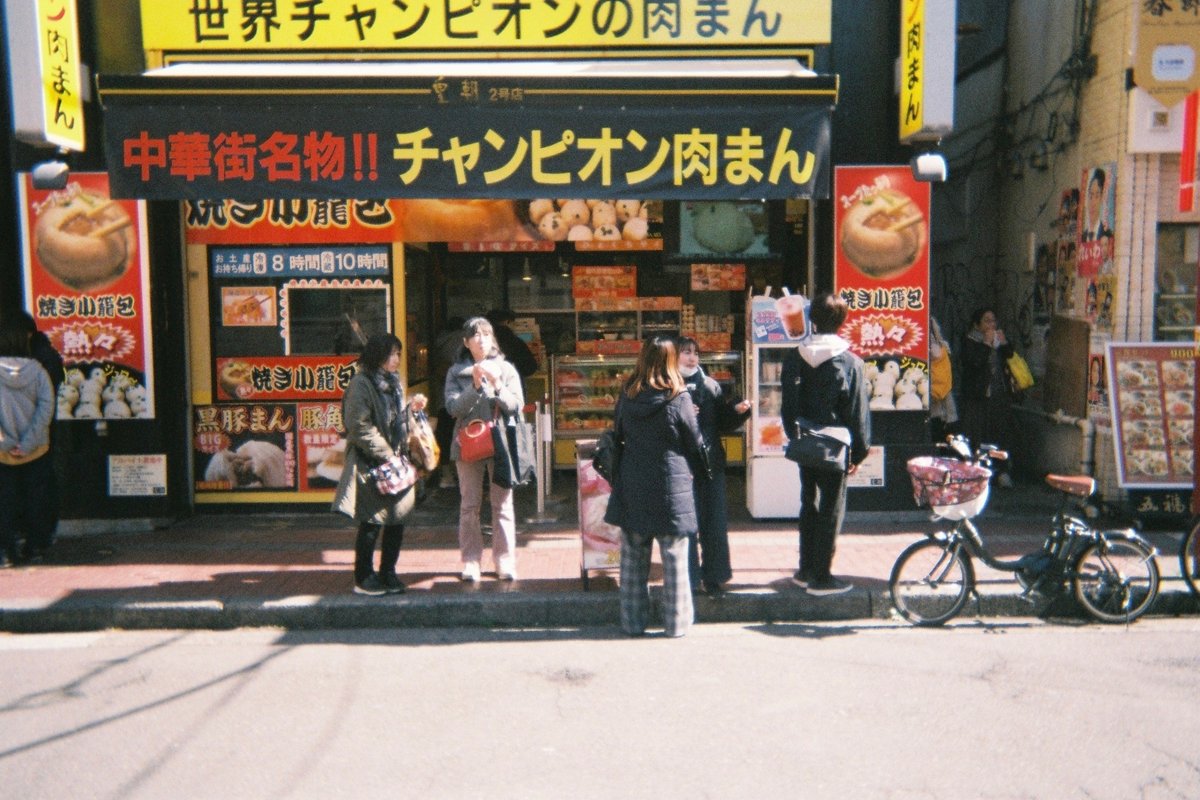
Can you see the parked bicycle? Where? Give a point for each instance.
(1189, 558)
(1113, 573)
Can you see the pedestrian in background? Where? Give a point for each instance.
(511, 345)
(823, 383)
(42, 351)
(987, 396)
(476, 384)
(27, 405)
(374, 414)
(708, 554)
(652, 497)
(447, 349)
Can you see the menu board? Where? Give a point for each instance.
(1152, 399)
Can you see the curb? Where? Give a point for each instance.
(574, 609)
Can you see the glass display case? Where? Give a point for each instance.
(1175, 298)
(618, 326)
(585, 390)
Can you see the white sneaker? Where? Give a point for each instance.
(506, 570)
(470, 571)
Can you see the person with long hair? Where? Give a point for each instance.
(27, 408)
(823, 383)
(480, 382)
(376, 419)
(652, 497)
(709, 566)
(987, 395)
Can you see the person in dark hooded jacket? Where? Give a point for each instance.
(652, 494)
(823, 383)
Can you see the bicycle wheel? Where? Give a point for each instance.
(1116, 579)
(930, 581)
(1189, 559)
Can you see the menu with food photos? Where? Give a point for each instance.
(1152, 396)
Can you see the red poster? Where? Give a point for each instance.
(269, 378)
(241, 447)
(881, 268)
(87, 287)
(322, 445)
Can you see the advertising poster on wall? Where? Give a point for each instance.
(1152, 398)
(1097, 220)
(244, 447)
(1098, 412)
(87, 287)
(881, 268)
(322, 445)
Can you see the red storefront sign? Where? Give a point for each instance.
(87, 288)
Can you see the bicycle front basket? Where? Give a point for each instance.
(954, 489)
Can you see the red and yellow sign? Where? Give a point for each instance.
(270, 378)
(482, 25)
(87, 288)
(881, 229)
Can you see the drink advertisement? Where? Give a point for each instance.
(1152, 397)
(881, 268)
(87, 288)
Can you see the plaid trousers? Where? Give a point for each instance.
(635, 578)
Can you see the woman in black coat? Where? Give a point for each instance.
(708, 557)
(987, 397)
(652, 493)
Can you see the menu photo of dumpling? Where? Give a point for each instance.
(1137, 374)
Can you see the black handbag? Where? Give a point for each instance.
(515, 461)
(606, 458)
(820, 447)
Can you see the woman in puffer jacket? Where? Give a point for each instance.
(652, 495)
(27, 408)
(476, 385)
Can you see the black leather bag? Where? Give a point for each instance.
(820, 447)
(606, 458)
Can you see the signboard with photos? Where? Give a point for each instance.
(881, 269)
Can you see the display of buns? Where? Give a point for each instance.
(883, 233)
(85, 241)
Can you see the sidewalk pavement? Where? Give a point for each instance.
(222, 571)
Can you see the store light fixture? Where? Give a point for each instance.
(563, 268)
(526, 273)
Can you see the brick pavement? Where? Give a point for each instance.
(199, 571)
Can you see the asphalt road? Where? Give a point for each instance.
(991, 709)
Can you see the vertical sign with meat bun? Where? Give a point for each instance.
(881, 269)
(87, 287)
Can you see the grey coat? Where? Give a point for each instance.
(364, 411)
(466, 403)
(652, 494)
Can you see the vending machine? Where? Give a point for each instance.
(774, 325)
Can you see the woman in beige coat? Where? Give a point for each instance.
(375, 416)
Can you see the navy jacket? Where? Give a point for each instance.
(653, 491)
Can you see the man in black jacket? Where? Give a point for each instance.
(823, 383)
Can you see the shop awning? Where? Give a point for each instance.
(691, 130)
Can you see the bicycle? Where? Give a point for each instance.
(1113, 573)
(1189, 558)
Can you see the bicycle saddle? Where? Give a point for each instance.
(1079, 485)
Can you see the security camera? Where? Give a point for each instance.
(50, 175)
(930, 167)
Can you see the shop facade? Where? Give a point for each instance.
(320, 238)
